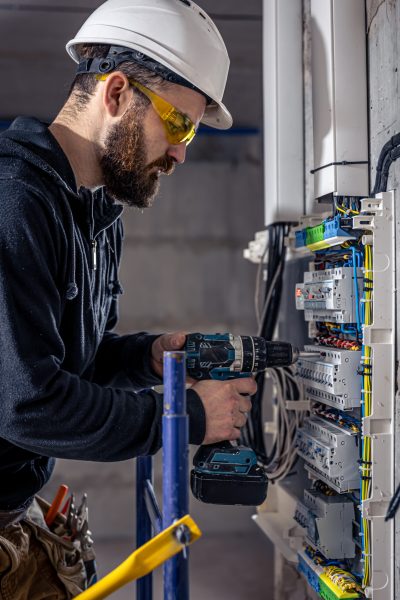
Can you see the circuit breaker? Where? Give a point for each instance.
(328, 521)
(329, 295)
(330, 376)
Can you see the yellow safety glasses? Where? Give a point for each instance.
(178, 127)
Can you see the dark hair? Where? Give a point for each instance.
(84, 84)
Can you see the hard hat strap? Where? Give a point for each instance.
(118, 54)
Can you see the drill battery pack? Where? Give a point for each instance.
(227, 474)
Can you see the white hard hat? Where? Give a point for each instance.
(169, 36)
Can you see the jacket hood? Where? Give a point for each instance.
(30, 140)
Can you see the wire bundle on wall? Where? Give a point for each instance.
(270, 272)
(283, 454)
(389, 153)
(280, 459)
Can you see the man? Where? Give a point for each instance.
(148, 74)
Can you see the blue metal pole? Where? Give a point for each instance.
(144, 472)
(175, 426)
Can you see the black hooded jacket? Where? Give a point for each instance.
(69, 386)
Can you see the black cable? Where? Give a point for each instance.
(385, 151)
(391, 157)
(254, 431)
(339, 163)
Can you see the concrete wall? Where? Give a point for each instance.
(183, 265)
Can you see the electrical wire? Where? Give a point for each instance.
(366, 405)
(384, 162)
(272, 266)
(258, 285)
(283, 457)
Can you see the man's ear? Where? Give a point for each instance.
(117, 94)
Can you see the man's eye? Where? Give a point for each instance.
(173, 127)
(177, 120)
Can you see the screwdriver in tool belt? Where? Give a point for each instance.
(56, 504)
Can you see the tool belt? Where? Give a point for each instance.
(36, 562)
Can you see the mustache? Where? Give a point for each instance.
(166, 164)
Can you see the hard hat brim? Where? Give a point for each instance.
(217, 116)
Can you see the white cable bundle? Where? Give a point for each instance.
(287, 422)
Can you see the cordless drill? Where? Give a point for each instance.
(224, 473)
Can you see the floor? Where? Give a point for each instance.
(228, 566)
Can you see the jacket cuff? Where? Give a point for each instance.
(197, 417)
(137, 360)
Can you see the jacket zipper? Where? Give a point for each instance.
(93, 242)
(94, 254)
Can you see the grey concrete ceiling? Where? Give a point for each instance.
(36, 71)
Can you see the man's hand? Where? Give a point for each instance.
(165, 343)
(226, 409)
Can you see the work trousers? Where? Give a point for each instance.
(36, 563)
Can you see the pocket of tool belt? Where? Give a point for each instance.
(64, 554)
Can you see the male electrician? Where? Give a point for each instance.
(148, 74)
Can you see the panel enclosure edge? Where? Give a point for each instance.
(380, 336)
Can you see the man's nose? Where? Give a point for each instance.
(178, 152)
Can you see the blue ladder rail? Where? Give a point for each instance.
(175, 434)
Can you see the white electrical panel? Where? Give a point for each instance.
(338, 537)
(326, 513)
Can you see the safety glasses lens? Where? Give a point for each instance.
(179, 129)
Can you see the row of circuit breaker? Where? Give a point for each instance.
(329, 439)
(328, 295)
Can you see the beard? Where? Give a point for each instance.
(127, 177)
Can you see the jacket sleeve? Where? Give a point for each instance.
(46, 409)
(124, 360)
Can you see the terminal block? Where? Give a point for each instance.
(331, 377)
(329, 233)
(329, 523)
(331, 452)
(317, 578)
(329, 295)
